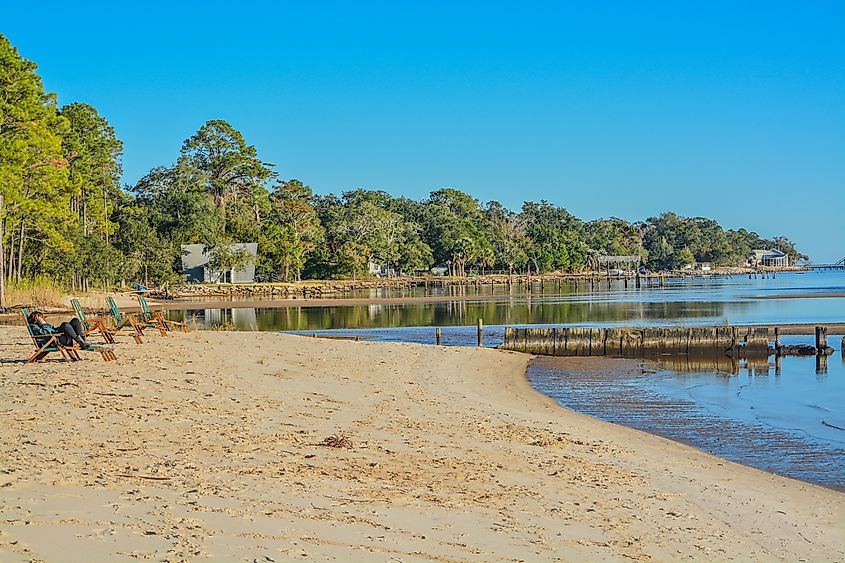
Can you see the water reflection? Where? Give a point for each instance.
(688, 302)
(450, 313)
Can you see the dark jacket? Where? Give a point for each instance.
(46, 328)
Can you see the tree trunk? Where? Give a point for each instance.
(105, 215)
(2, 254)
(84, 213)
(10, 264)
(20, 249)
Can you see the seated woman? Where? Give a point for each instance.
(67, 333)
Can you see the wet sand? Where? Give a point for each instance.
(212, 444)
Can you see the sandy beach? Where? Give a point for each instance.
(269, 447)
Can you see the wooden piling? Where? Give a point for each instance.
(821, 338)
(757, 341)
(737, 342)
(480, 332)
(821, 364)
(438, 336)
(613, 342)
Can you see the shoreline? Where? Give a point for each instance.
(335, 287)
(837, 295)
(636, 408)
(211, 444)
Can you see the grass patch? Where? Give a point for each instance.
(40, 291)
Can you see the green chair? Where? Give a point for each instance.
(158, 317)
(93, 324)
(122, 321)
(46, 343)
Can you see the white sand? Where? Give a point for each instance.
(207, 445)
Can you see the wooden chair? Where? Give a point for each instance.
(93, 324)
(158, 317)
(46, 343)
(123, 321)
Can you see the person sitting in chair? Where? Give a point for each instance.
(67, 333)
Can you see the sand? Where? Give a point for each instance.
(209, 445)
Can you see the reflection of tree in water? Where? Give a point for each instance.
(451, 313)
(456, 313)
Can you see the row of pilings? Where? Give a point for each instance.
(651, 341)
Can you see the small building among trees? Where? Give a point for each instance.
(233, 263)
(769, 258)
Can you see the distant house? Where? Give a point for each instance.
(770, 258)
(195, 265)
(380, 270)
(439, 271)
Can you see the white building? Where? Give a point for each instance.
(769, 258)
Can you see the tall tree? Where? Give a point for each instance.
(226, 166)
(291, 231)
(93, 152)
(33, 172)
(557, 236)
(454, 228)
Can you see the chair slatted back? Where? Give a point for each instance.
(145, 308)
(115, 312)
(80, 312)
(25, 315)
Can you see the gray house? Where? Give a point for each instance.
(195, 265)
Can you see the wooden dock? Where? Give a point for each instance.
(647, 341)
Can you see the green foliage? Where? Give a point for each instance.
(65, 218)
(93, 155)
(557, 236)
(665, 237)
(685, 257)
(224, 258)
(221, 164)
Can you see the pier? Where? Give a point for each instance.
(838, 265)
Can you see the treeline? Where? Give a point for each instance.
(65, 216)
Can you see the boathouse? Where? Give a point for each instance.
(770, 258)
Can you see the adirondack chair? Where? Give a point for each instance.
(123, 321)
(158, 317)
(93, 324)
(46, 343)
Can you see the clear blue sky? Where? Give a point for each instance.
(733, 110)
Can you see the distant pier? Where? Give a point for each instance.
(839, 265)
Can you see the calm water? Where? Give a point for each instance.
(788, 418)
(702, 301)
